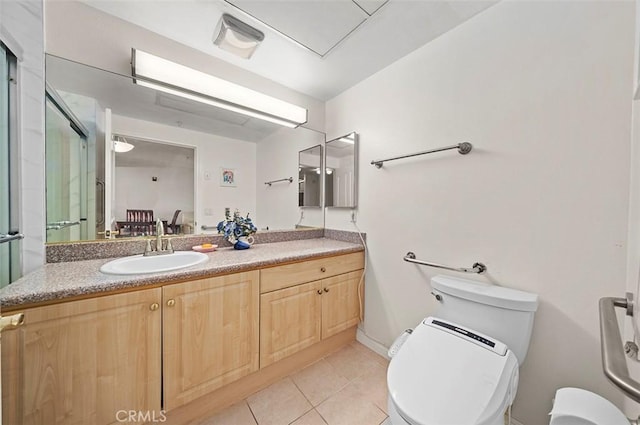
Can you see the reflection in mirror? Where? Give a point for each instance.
(71, 213)
(109, 104)
(309, 173)
(341, 182)
(164, 185)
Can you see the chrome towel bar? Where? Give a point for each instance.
(57, 225)
(9, 238)
(288, 179)
(614, 363)
(463, 149)
(477, 267)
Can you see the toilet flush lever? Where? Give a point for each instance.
(437, 296)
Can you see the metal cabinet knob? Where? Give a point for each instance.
(154, 306)
(322, 269)
(171, 303)
(319, 291)
(326, 289)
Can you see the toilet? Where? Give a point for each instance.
(575, 406)
(460, 367)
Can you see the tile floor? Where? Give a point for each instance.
(347, 387)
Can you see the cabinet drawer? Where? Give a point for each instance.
(287, 275)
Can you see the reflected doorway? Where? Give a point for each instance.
(155, 180)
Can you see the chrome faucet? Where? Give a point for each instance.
(160, 250)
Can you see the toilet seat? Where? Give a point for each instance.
(449, 374)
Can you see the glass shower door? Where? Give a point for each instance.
(10, 261)
(66, 165)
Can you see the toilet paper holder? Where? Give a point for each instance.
(614, 362)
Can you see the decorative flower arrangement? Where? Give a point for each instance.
(236, 227)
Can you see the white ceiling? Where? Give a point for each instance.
(317, 47)
(155, 154)
(318, 26)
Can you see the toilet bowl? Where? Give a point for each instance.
(449, 374)
(461, 366)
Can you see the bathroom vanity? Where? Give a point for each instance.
(183, 343)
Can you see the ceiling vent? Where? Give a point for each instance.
(236, 37)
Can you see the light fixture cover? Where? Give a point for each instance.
(120, 144)
(161, 74)
(236, 37)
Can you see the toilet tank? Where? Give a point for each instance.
(503, 313)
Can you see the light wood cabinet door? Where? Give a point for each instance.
(289, 321)
(210, 334)
(340, 303)
(82, 362)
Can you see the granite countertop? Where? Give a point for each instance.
(57, 281)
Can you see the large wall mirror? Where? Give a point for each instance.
(341, 172)
(310, 177)
(181, 154)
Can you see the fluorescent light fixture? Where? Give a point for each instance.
(161, 74)
(120, 144)
(236, 37)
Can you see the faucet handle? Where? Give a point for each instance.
(159, 227)
(147, 248)
(169, 246)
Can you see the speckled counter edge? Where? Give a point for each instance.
(93, 250)
(62, 281)
(344, 236)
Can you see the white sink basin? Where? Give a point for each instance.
(139, 264)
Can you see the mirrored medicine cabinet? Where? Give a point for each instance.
(310, 177)
(341, 172)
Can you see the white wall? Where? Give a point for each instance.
(542, 90)
(212, 153)
(173, 190)
(278, 159)
(21, 28)
(633, 252)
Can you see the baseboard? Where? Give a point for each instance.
(373, 345)
(514, 422)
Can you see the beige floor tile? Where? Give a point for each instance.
(238, 414)
(350, 407)
(319, 381)
(351, 362)
(278, 404)
(310, 418)
(370, 353)
(372, 385)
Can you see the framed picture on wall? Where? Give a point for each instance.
(227, 177)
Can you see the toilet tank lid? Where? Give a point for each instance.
(484, 293)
